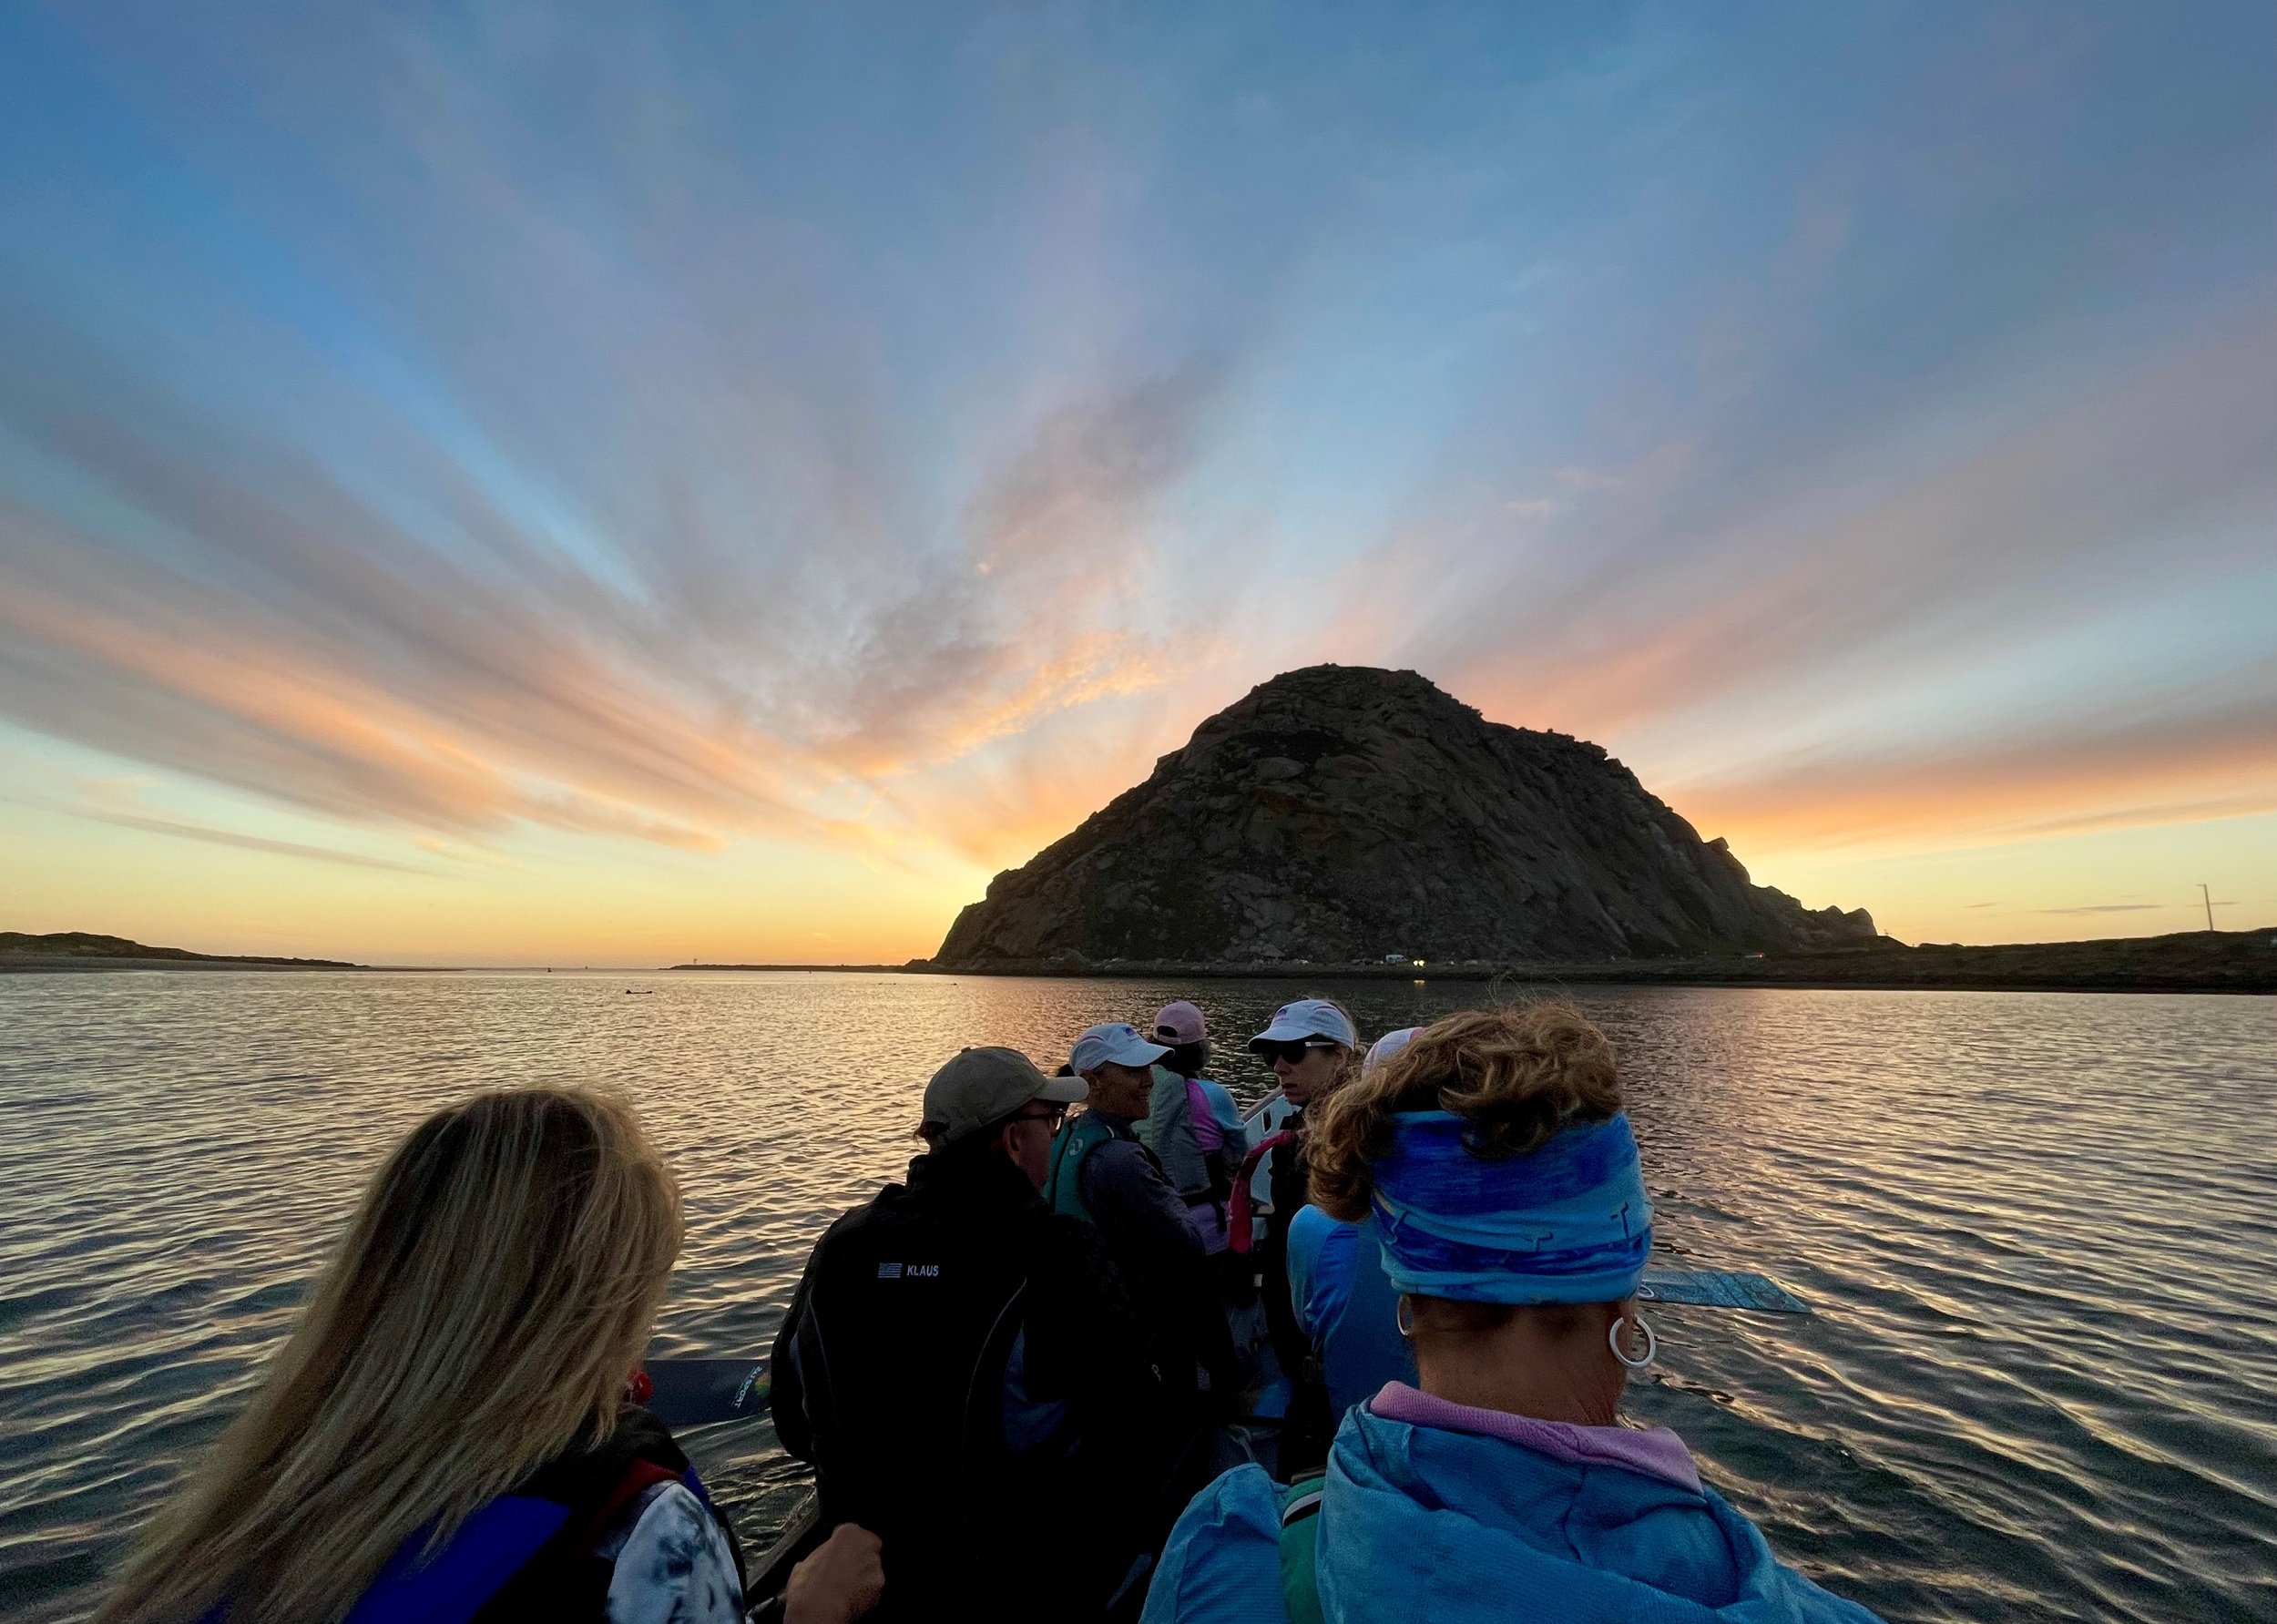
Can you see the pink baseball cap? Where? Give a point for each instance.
(1179, 1023)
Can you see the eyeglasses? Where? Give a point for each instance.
(1294, 1053)
(1055, 1115)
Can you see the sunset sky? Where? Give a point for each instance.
(531, 484)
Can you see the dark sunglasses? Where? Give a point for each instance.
(1291, 1052)
(1055, 1115)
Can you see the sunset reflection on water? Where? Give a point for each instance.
(2041, 1377)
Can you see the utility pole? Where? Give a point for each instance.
(2209, 897)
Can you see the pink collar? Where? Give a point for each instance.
(1655, 1450)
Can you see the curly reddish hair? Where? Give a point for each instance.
(1516, 1075)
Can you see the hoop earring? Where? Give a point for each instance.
(1613, 1340)
(1404, 1316)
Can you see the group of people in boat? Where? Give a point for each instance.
(1107, 1352)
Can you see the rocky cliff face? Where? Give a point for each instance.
(1344, 813)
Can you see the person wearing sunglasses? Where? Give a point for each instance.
(959, 1359)
(1311, 1046)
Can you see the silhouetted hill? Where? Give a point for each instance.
(1341, 815)
(82, 945)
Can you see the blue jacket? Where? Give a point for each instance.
(1347, 1307)
(1320, 1252)
(551, 1547)
(1423, 1523)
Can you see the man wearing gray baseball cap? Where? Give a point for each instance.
(984, 1091)
(954, 1338)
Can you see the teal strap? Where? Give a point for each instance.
(1300, 1549)
(1063, 1187)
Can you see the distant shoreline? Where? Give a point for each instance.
(33, 961)
(2241, 962)
(915, 966)
(2193, 962)
(1534, 974)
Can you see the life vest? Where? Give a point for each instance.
(1240, 1223)
(1063, 1185)
(529, 1554)
(1170, 1136)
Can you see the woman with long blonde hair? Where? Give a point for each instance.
(445, 1434)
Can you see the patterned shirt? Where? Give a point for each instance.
(674, 1564)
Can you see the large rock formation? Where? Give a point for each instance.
(1344, 813)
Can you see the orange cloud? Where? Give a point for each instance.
(301, 639)
(187, 682)
(2151, 770)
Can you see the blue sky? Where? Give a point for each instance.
(536, 482)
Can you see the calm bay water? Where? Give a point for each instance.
(2039, 1231)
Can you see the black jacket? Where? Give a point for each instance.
(1286, 1177)
(1308, 1425)
(1143, 1223)
(964, 1371)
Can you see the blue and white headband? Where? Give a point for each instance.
(1569, 1222)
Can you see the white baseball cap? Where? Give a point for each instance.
(1309, 1017)
(1385, 1046)
(1116, 1043)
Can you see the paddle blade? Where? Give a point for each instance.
(1693, 1288)
(701, 1392)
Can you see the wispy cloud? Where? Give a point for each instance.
(1840, 580)
(252, 843)
(670, 428)
(299, 642)
(1039, 609)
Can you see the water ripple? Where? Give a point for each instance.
(2042, 1381)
